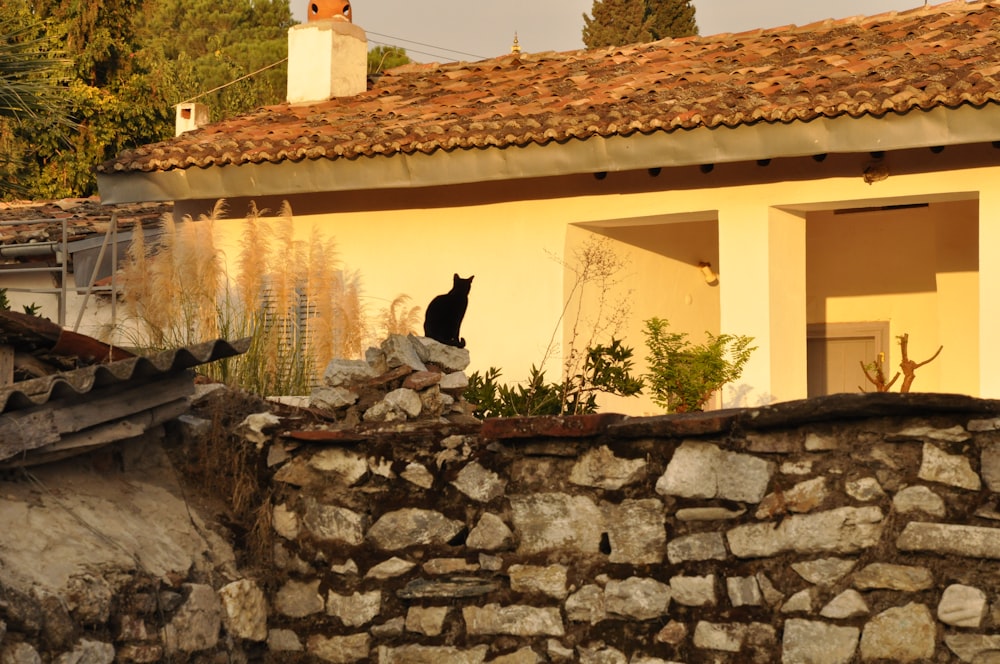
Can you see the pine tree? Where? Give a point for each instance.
(619, 22)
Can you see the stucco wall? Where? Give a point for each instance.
(923, 269)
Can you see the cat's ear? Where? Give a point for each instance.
(471, 278)
(456, 277)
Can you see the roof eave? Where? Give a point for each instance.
(939, 126)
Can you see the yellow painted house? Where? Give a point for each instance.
(840, 179)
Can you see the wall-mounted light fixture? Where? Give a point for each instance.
(711, 278)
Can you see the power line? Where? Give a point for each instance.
(437, 48)
(226, 85)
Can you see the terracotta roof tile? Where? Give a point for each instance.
(946, 55)
(85, 217)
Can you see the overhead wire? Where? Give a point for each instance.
(380, 43)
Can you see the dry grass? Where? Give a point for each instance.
(301, 307)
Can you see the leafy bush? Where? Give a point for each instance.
(606, 369)
(682, 377)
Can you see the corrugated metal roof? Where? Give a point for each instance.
(39, 391)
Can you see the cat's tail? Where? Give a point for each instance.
(461, 342)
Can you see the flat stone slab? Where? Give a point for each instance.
(841, 530)
(548, 426)
(970, 541)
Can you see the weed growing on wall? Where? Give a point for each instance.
(682, 377)
(300, 307)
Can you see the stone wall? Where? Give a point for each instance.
(851, 528)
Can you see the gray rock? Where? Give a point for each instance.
(417, 654)
(600, 468)
(285, 522)
(456, 381)
(700, 546)
(490, 534)
(523, 656)
(968, 647)
(556, 521)
(389, 569)
(918, 499)
(283, 640)
(708, 514)
(410, 527)
(693, 590)
(637, 598)
(821, 443)
(244, 610)
(344, 373)
(447, 357)
(962, 606)
(356, 609)
(800, 602)
(389, 629)
(847, 604)
(549, 580)
(955, 434)
(990, 424)
(990, 466)
(971, 541)
(330, 523)
(804, 496)
(332, 398)
(87, 651)
(824, 571)
(340, 649)
(516, 620)
(443, 566)
(901, 634)
(727, 637)
(840, 530)
(864, 489)
(450, 588)
(703, 470)
(557, 651)
(196, 624)
(772, 595)
(811, 642)
(298, 599)
(417, 473)
(400, 352)
(600, 654)
(339, 465)
(744, 591)
(951, 469)
(19, 653)
(893, 577)
(478, 483)
(636, 531)
(426, 620)
(586, 605)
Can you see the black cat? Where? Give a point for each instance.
(445, 312)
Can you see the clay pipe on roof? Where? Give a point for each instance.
(339, 10)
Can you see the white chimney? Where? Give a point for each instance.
(190, 116)
(326, 58)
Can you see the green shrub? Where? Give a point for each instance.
(606, 369)
(683, 377)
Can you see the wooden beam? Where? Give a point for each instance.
(6, 365)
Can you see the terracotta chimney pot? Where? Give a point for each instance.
(338, 10)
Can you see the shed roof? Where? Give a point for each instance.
(25, 222)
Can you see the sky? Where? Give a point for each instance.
(447, 30)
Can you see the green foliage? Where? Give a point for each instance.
(682, 377)
(129, 62)
(620, 22)
(606, 369)
(381, 58)
(30, 309)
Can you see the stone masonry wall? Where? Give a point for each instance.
(850, 528)
(397, 528)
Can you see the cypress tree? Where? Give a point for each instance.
(619, 22)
